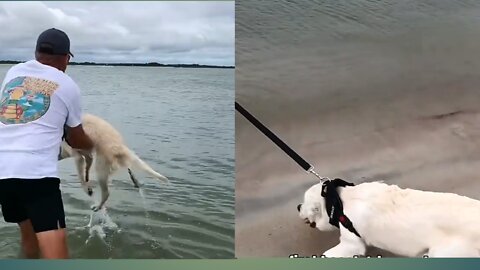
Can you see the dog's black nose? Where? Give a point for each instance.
(298, 207)
(313, 224)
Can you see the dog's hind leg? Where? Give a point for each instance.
(103, 183)
(133, 178)
(103, 174)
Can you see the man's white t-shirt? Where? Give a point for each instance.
(36, 101)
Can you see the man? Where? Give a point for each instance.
(37, 99)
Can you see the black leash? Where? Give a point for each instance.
(289, 151)
(334, 204)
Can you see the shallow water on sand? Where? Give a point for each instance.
(364, 90)
(179, 121)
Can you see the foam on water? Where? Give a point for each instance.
(99, 223)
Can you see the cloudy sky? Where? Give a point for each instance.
(165, 32)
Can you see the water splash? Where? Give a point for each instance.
(99, 223)
(101, 226)
(155, 244)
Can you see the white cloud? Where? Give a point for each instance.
(176, 32)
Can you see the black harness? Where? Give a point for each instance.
(334, 204)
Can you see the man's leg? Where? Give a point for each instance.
(45, 210)
(53, 244)
(13, 208)
(29, 240)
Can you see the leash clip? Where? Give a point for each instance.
(312, 171)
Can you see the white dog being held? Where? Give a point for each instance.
(109, 154)
(406, 222)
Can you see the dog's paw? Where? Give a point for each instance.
(339, 252)
(87, 189)
(330, 254)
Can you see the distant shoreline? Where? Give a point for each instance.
(152, 64)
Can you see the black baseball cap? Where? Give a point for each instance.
(53, 41)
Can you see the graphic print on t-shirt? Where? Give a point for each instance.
(25, 99)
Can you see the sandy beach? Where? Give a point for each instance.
(394, 99)
(438, 154)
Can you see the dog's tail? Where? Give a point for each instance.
(140, 164)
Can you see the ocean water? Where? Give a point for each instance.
(179, 121)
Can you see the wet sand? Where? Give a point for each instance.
(437, 153)
(364, 91)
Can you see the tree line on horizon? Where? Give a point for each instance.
(151, 64)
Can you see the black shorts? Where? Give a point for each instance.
(38, 200)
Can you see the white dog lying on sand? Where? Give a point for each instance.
(406, 222)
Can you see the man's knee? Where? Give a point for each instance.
(53, 244)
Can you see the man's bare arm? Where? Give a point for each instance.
(78, 139)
